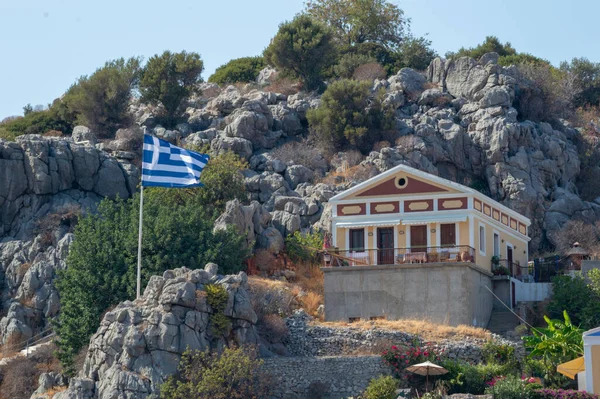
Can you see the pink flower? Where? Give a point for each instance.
(406, 362)
(531, 380)
(394, 347)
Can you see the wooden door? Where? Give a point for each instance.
(385, 246)
(509, 260)
(418, 238)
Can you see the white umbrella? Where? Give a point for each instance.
(426, 368)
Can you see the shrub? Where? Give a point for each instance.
(349, 62)
(304, 246)
(563, 394)
(510, 387)
(244, 69)
(574, 296)
(489, 45)
(349, 116)
(400, 357)
(383, 387)
(102, 261)
(169, 79)
(236, 373)
(35, 122)
(302, 49)
(463, 377)
(301, 153)
(283, 86)
(273, 328)
(217, 297)
(369, 72)
(101, 101)
(494, 352)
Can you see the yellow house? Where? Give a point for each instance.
(408, 244)
(408, 216)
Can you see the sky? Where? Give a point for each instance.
(47, 44)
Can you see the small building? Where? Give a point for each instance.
(409, 244)
(591, 350)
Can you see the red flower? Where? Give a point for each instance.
(407, 362)
(394, 347)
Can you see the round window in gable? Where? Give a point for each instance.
(401, 182)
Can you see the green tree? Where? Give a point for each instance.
(304, 246)
(101, 101)
(102, 261)
(234, 374)
(349, 62)
(302, 49)
(244, 69)
(594, 277)
(349, 116)
(491, 44)
(414, 52)
(169, 79)
(587, 80)
(361, 21)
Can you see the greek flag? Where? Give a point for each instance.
(166, 165)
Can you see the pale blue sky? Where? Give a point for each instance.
(47, 44)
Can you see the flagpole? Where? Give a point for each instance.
(139, 262)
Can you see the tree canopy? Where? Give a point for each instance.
(302, 49)
(169, 79)
(360, 21)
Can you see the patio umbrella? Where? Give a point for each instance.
(426, 368)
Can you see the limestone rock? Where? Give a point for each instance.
(83, 135)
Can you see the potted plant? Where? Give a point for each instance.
(495, 261)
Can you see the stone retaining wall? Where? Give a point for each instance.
(333, 376)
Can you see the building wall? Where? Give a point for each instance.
(520, 245)
(596, 368)
(450, 293)
(339, 376)
(531, 292)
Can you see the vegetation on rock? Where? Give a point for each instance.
(302, 49)
(383, 387)
(169, 79)
(236, 373)
(243, 70)
(349, 116)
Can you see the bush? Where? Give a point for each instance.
(349, 62)
(575, 296)
(463, 377)
(416, 53)
(234, 374)
(243, 70)
(369, 72)
(349, 116)
(300, 153)
(35, 122)
(510, 387)
(101, 101)
(494, 352)
(273, 328)
(304, 246)
(102, 261)
(400, 357)
(491, 44)
(169, 79)
(383, 387)
(302, 49)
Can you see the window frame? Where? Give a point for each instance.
(362, 248)
(482, 239)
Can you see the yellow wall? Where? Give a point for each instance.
(340, 239)
(485, 261)
(596, 368)
(463, 233)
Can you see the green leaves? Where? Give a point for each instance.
(169, 79)
(102, 262)
(302, 49)
(304, 247)
(349, 115)
(236, 373)
(244, 69)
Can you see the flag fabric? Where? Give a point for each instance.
(166, 165)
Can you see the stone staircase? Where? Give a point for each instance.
(502, 322)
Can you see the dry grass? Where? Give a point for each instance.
(284, 86)
(349, 174)
(424, 329)
(10, 349)
(311, 302)
(54, 390)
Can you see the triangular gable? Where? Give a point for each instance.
(386, 184)
(412, 186)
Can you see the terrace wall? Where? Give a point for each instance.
(449, 293)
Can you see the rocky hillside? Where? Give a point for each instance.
(459, 120)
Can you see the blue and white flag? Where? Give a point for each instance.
(166, 165)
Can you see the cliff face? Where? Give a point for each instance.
(139, 344)
(459, 120)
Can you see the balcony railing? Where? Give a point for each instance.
(398, 256)
(532, 273)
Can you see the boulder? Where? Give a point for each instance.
(241, 147)
(409, 81)
(465, 77)
(83, 135)
(266, 75)
(297, 174)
